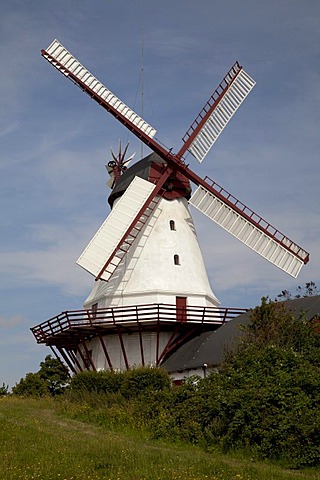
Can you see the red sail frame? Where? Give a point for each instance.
(175, 162)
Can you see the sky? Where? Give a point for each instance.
(55, 141)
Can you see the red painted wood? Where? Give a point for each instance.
(175, 160)
(155, 192)
(181, 305)
(207, 110)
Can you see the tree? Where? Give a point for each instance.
(51, 379)
(309, 290)
(55, 374)
(267, 394)
(4, 390)
(263, 398)
(272, 324)
(31, 386)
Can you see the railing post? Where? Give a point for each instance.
(113, 316)
(74, 355)
(203, 315)
(140, 336)
(66, 359)
(123, 348)
(104, 348)
(89, 356)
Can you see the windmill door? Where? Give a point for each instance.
(181, 306)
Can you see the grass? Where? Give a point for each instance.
(36, 442)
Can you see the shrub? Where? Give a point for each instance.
(100, 382)
(130, 383)
(139, 381)
(265, 397)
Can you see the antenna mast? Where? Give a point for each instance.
(142, 82)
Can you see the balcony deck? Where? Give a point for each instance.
(88, 323)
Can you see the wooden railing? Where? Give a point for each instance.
(130, 316)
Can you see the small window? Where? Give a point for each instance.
(176, 260)
(172, 225)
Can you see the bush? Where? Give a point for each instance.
(140, 381)
(99, 382)
(266, 395)
(264, 398)
(176, 413)
(130, 383)
(114, 399)
(269, 402)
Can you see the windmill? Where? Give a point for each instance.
(150, 222)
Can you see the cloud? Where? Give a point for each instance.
(11, 322)
(52, 263)
(10, 128)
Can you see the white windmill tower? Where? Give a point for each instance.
(152, 291)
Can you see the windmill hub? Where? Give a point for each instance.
(151, 168)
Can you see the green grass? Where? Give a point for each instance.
(36, 442)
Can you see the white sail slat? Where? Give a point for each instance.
(247, 232)
(221, 115)
(67, 64)
(105, 241)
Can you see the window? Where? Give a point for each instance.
(176, 259)
(172, 225)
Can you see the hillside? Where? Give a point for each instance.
(37, 441)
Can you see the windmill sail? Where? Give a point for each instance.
(67, 64)
(217, 112)
(107, 239)
(212, 200)
(249, 228)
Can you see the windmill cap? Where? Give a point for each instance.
(148, 169)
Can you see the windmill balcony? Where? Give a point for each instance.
(122, 337)
(88, 323)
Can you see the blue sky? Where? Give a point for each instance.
(55, 141)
